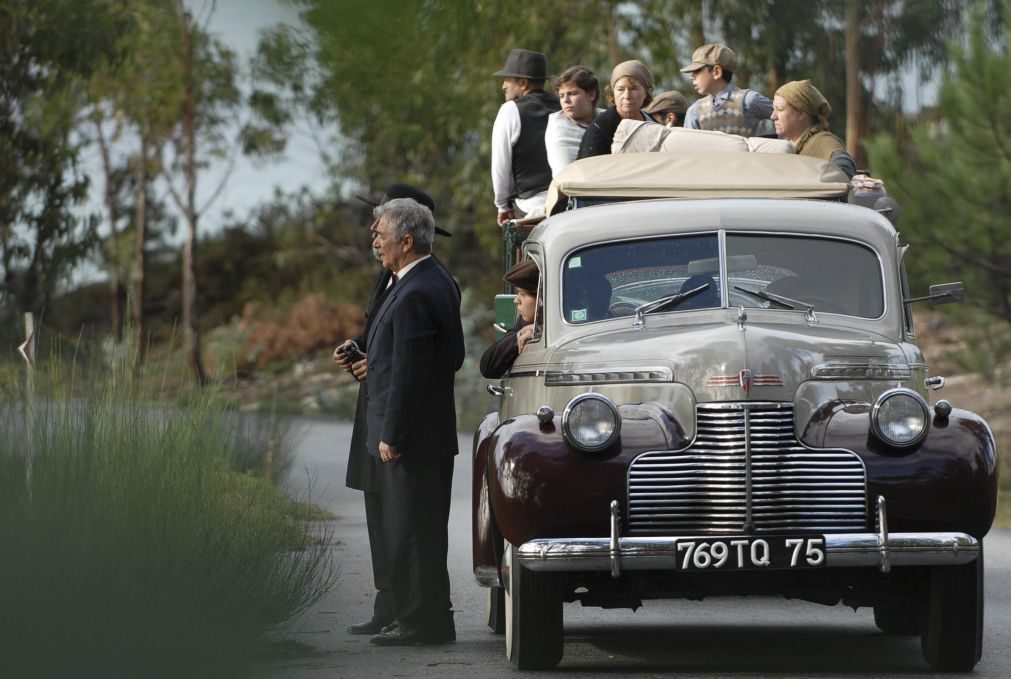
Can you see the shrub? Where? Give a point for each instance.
(137, 548)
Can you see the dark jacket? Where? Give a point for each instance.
(360, 474)
(498, 358)
(415, 348)
(599, 135)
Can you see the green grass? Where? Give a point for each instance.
(151, 540)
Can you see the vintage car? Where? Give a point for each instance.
(724, 396)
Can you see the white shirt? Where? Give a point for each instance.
(504, 135)
(404, 271)
(562, 138)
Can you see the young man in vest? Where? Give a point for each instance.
(520, 173)
(723, 107)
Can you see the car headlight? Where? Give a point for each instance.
(591, 422)
(900, 418)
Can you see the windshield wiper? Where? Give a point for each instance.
(668, 302)
(784, 302)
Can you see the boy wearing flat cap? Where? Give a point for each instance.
(669, 109)
(723, 107)
(499, 357)
(520, 173)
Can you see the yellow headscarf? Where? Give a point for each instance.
(804, 96)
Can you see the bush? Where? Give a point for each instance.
(136, 548)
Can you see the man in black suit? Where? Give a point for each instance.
(361, 473)
(415, 348)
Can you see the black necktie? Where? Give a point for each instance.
(393, 279)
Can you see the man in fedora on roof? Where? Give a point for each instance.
(361, 474)
(723, 107)
(520, 173)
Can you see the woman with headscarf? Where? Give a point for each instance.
(631, 90)
(800, 114)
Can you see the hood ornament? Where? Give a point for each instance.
(744, 379)
(742, 318)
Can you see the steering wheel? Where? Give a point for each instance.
(619, 309)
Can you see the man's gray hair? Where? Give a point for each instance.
(406, 216)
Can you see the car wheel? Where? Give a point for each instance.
(495, 609)
(533, 616)
(952, 638)
(897, 619)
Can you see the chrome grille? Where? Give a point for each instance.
(746, 472)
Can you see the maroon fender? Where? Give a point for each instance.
(541, 487)
(486, 542)
(948, 482)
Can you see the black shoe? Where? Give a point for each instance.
(373, 626)
(407, 636)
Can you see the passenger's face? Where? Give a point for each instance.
(526, 304)
(790, 123)
(703, 80)
(372, 230)
(577, 103)
(512, 88)
(629, 95)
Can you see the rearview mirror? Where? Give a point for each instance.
(942, 293)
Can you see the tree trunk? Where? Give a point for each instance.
(139, 264)
(110, 206)
(854, 104)
(191, 327)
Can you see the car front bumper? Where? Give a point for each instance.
(882, 550)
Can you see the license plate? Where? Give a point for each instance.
(731, 554)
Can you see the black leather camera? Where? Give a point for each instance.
(351, 351)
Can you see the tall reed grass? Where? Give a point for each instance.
(151, 541)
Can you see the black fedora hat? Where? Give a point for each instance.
(405, 191)
(525, 64)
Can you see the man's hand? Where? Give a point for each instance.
(341, 358)
(388, 453)
(524, 335)
(504, 217)
(360, 369)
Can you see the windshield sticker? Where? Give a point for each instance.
(575, 262)
(578, 315)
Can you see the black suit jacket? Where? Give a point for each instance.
(498, 358)
(360, 471)
(415, 346)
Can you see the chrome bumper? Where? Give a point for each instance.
(842, 550)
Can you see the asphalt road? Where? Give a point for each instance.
(742, 637)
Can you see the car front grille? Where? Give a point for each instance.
(745, 472)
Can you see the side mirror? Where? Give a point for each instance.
(942, 293)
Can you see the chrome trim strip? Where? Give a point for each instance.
(562, 378)
(842, 550)
(860, 371)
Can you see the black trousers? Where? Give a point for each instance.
(382, 608)
(415, 498)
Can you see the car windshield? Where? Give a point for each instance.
(763, 271)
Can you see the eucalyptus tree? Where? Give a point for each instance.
(43, 54)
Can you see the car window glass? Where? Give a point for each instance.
(833, 276)
(611, 280)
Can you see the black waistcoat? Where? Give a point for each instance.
(531, 171)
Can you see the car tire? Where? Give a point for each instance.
(952, 638)
(533, 616)
(897, 619)
(495, 609)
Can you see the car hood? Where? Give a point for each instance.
(722, 362)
